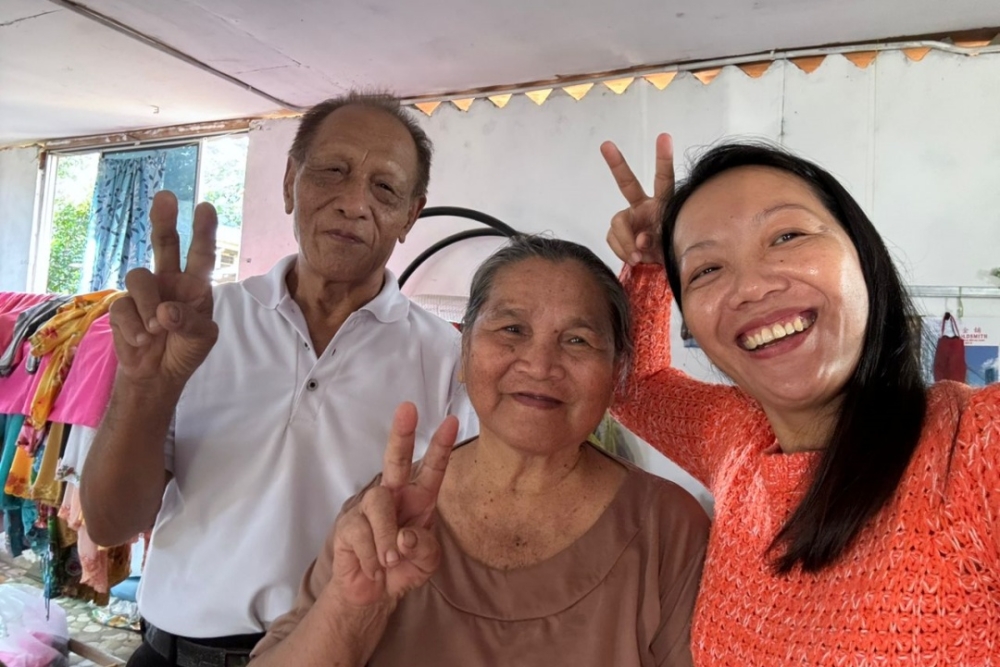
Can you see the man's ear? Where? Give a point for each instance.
(288, 186)
(415, 208)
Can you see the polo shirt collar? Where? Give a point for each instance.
(270, 289)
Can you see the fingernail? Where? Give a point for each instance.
(409, 539)
(391, 558)
(153, 325)
(142, 339)
(174, 314)
(635, 258)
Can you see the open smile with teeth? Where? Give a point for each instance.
(775, 332)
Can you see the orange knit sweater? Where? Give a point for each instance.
(921, 586)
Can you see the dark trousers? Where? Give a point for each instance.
(145, 656)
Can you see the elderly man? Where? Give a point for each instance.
(243, 416)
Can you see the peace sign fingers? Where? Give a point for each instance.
(628, 184)
(663, 179)
(164, 238)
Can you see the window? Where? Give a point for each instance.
(210, 169)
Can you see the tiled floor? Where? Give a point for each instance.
(82, 626)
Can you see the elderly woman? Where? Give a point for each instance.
(526, 545)
(857, 515)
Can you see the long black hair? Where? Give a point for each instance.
(884, 401)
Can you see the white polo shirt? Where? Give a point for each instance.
(269, 440)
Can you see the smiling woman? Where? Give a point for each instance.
(856, 521)
(525, 545)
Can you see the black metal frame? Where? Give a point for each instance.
(495, 227)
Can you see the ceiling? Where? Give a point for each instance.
(63, 74)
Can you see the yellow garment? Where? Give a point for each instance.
(18, 482)
(60, 337)
(46, 489)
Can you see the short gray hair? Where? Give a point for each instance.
(313, 118)
(523, 247)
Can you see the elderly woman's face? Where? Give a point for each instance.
(539, 361)
(772, 287)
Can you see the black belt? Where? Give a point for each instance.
(186, 652)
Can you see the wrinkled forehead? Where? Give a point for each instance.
(368, 130)
(561, 288)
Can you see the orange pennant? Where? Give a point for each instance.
(756, 70)
(862, 59)
(706, 76)
(427, 107)
(539, 96)
(579, 91)
(916, 55)
(808, 64)
(500, 100)
(661, 80)
(619, 86)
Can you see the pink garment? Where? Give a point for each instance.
(85, 394)
(18, 389)
(70, 510)
(93, 559)
(13, 304)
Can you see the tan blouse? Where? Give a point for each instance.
(621, 595)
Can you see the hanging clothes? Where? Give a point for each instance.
(85, 393)
(18, 482)
(100, 569)
(75, 454)
(12, 304)
(12, 429)
(27, 323)
(18, 388)
(46, 489)
(59, 339)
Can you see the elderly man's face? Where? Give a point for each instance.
(353, 196)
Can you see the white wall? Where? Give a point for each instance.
(918, 143)
(18, 184)
(267, 231)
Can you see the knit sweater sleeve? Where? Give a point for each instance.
(689, 421)
(980, 434)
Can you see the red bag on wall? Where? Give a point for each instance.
(949, 357)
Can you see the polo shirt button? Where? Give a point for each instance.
(312, 385)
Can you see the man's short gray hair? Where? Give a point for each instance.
(313, 118)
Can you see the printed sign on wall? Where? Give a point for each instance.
(981, 336)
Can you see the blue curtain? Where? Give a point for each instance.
(118, 236)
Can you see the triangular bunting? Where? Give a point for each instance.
(862, 59)
(500, 100)
(707, 75)
(427, 107)
(579, 91)
(464, 105)
(756, 70)
(972, 43)
(619, 86)
(539, 96)
(661, 80)
(808, 64)
(916, 55)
